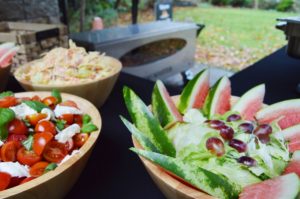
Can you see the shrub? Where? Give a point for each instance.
(285, 5)
(241, 3)
(268, 4)
(221, 2)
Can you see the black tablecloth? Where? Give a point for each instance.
(115, 172)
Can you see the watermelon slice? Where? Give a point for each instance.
(282, 187)
(146, 123)
(163, 106)
(207, 181)
(294, 165)
(5, 47)
(292, 135)
(218, 99)
(6, 58)
(250, 102)
(195, 92)
(286, 112)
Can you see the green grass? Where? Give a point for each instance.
(248, 33)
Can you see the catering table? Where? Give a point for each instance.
(115, 172)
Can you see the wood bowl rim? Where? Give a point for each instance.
(72, 160)
(117, 64)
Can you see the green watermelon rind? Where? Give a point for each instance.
(147, 123)
(247, 97)
(160, 107)
(189, 90)
(212, 98)
(211, 183)
(139, 136)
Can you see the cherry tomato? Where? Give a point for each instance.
(50, 101)
(4, 180)
(9, 151)
(69, 103)
(27, 180)
(40, 140)
(69, 118)
(55, 151)
(8, 101)
(35, 118)
(45, 126)
(17, 138)
(80, 139)
(27, 157)
(69, 145)
(14, 181)
(36, 98)
(38, 169)
(17, 126)
(78, 119)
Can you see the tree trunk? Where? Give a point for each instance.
(256, 3)
(82, 14)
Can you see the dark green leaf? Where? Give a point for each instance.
(56, 93)
(50, 167)
(88, 128)
(6, 93)
(38, 106)
(86, 119)
(60, 124)
(28, 143)
(3, 132)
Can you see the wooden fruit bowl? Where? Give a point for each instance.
(56, 184)
(96, 91)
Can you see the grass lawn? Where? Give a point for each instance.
(233, 38)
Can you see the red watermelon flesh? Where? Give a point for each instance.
(249, 113)
(223, 104)
(294, 165)
(282, 187)
(5, 60)
(292, 135)
(201, 95)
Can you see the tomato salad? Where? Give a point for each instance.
(37, 135)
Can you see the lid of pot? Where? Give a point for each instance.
(295, 20)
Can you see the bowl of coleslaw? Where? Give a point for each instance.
(90, 75)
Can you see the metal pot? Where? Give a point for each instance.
(291, 27)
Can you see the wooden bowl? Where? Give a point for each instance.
(171, 187)
(4, 74)
(56, 184)
(95, 91)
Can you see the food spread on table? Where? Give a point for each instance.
(66, 66)
(7, 52)
(38, 134)
(225, 146)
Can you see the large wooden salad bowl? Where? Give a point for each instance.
(96, 91)
(56, 184)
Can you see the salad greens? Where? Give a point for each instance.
(6, 115)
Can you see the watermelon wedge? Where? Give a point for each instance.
(147, 123)
(292, 135)
(286, 112)
(163, 106)
(195, 92)
(5, 47)
(250, 102)
(6, 58)
(282, 187)
(294, 165)
(218, 99)
(207, 181)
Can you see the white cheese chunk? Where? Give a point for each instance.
(61, 110)
(22, 110)
(49, 113)
(1, 143)
(67, 157)
(15, 169)
(67, 133)
(193, 116)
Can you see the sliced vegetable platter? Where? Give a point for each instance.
(41, 132)
(226, 147)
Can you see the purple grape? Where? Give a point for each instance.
(248, 161)
(263, 132)
(215, 146)
(215, 124)
(233, 117)
(246, 127)
(226, 132)
(239, 145)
